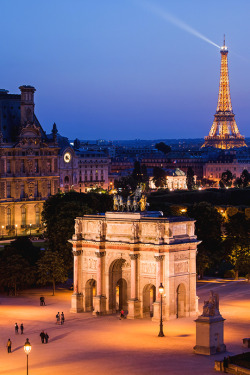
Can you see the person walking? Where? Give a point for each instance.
(9, 343)
(58, 318)
(42, 335)
(16, 328)
(62, 318)
(46, 336)
(121, 314)
(21, 327)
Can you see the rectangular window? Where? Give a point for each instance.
(8, 166)
(8, 190)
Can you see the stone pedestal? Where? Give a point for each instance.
(209, 335)
(99, 303)
(76, 303)
(157, 312)
(134, 309)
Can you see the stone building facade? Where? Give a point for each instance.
(83, 170)
(28, 164)
(121, 258)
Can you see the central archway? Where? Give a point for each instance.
(117, 286)
(149, 296)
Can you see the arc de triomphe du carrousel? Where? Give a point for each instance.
(121, 258)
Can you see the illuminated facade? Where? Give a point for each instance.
(121, 258)
(224, 132)
(28, 164)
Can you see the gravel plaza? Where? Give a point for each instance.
(107, 345)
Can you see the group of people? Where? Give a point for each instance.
(60, 318)
(9, 342)
(44, 337)
(17, 328)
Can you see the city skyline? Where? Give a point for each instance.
(126, 70)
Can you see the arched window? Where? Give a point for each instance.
(8, 216)
(23, 216)
(37, 215)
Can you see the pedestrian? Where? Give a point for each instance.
(21, 327)
(16, 328)
(42, 335)
(62, 318)
(121, 314)
(9, 343)
(46, 336)
(58, 318)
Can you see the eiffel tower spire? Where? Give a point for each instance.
(224, 132)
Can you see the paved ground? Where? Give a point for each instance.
(87, 345)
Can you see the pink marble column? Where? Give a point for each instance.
(159, 259)
(99, 255)
(76, 254)
(134, 258)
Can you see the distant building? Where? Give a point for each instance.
(175, 179)
(28, 169)
(83, 170)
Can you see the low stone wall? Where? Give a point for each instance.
(231, 369)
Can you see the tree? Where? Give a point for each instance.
(190, 179)
(15, 272)
(226, 179)
(245, 178)
(125, 185)
(237, 242)
(137, 174)
(51, 269)
(161, 146)
(159, 177)
(145, 178)
(208, 230)
(59, 213)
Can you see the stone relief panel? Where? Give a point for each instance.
(119, 229)
(149, 230)
(179, 230)
(181, 267)
(148, 268)
(181, 256)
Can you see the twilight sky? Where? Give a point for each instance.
(117, 69)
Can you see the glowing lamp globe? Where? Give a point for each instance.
(161, 288)
(27, 347)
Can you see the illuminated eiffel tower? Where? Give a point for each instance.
(224, 132)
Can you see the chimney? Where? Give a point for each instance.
(27, 104)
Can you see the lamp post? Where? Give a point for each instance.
(30, 230)
(27, 349)
(16, 229)
(2, 230)
(161, 290)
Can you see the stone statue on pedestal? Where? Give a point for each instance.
(211, 307)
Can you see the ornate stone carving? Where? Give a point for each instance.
(180, 256)
(77, 252)
(181, 267)
(148, 268)
(159, 258)
(78, 227)
(134, 230)
(100, 254)
(92, 263)
(211, 307)
(134, 256)
(158, 231)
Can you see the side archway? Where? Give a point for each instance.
(149, 296)
(90, 293)
(181, 301)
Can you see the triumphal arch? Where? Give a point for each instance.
(121, 258)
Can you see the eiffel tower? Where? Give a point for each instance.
(224, 132)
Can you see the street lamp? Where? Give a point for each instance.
(161, 290)
(16, 229)
(2, 229)
(27, 349)
(30, 230)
